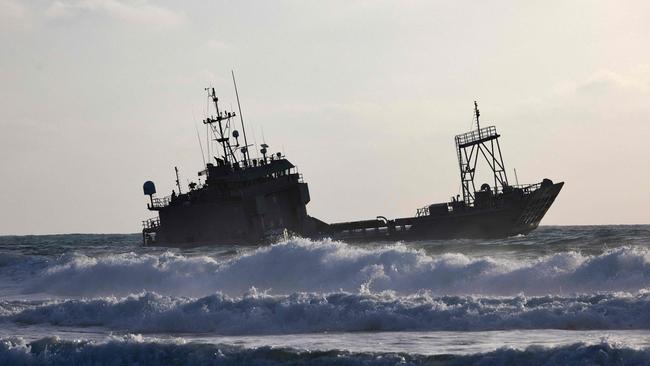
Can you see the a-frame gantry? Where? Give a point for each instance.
(485, 142)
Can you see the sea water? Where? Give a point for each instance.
(561, 295)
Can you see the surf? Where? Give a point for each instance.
(302, 265)
(262, 313)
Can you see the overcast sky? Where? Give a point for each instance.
(364, 97)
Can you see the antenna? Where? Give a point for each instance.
(257, 154)
(241, 117)
(516, 178)
(198, 137)
(207, 127)
(478, 114)
(178, 182)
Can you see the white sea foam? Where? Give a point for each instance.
(78, 274)
(136, 351)
(328, 266)
(258, 313)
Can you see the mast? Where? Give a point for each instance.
(222, 139)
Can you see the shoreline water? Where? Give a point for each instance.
(551, 296)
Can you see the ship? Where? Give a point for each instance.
(246, 200)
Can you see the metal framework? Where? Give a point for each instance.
(485, 142)
(221, 134)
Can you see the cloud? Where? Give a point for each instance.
(12, 14)
(135, 12)
(216, 44)
(636, 80)
(605, 80)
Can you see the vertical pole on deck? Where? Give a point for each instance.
(241, 117)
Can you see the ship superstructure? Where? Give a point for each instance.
(243, 199)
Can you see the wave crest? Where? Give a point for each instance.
(133, 350)
(259, 313)
(329, 266)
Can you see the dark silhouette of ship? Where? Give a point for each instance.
(246, 200)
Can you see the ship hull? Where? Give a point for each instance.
(515, 218)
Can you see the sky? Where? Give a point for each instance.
(365, 97)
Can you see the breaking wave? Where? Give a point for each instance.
(258, 313)
(328, 266)
(133, 350)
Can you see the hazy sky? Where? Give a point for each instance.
(363, 96)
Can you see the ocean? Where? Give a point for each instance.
(560, 295)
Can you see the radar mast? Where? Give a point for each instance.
(221, 132)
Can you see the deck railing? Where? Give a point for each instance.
(527, 188)
(470, 137)
(424, 211)
(161, 202)
(151, 223)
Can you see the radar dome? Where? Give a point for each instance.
(149, 188)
